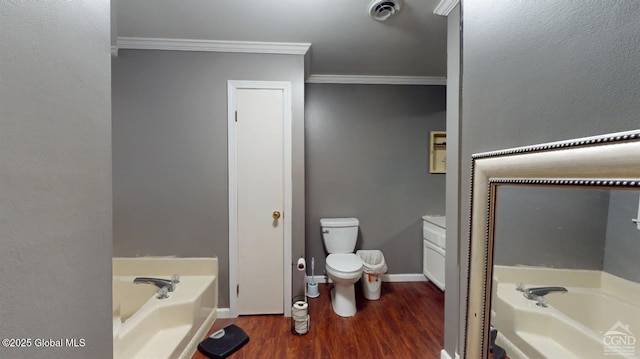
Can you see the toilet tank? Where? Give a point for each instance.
(339, 234)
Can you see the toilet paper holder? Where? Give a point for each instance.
(302, 264)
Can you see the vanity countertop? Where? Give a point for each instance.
(440, 221)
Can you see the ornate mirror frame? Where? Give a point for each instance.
(611, 160)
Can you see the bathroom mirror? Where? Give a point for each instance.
(554, 248)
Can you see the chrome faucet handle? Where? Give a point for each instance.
(175, 278)
(158, 282)
(533, 293)
(163, 293)
(520, 287)
(542, 301)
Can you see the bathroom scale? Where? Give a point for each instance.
(224, 342)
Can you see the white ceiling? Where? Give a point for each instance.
(344, 39)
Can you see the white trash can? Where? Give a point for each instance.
(374, 266)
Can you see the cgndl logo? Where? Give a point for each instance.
(619, 340)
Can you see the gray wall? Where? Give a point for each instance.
(55, 170)
(568, 228)
(170, 179)
(539, 71)
(555, 227)
(367, 156)
(622, 248)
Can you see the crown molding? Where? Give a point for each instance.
(254, 47)
(376, 80)
(445, 7)
(114, 50)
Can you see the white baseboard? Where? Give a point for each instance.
(224, 313)
(445, 355)
(407, 277)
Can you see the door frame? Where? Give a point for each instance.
(232, 87)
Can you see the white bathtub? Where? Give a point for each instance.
(576, 324)
(147, 327)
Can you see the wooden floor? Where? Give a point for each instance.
(407, 322)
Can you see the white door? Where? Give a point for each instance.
(260, 195)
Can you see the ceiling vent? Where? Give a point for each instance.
(383, 9)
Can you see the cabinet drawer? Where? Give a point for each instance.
(434, 234)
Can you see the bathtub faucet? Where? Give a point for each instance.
(158, 282)
(534, 293)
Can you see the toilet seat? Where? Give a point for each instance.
(347, 263)
(344, 270)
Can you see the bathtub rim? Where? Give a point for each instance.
(593, 282)
(165, 267)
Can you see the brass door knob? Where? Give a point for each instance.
(276, 215)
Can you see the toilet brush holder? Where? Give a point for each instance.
(312, 287)
(312, 290)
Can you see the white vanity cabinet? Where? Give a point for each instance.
(434, 249)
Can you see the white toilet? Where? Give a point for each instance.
(342, 265)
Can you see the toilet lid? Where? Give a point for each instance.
(344, 262)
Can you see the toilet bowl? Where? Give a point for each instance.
(343, 267)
